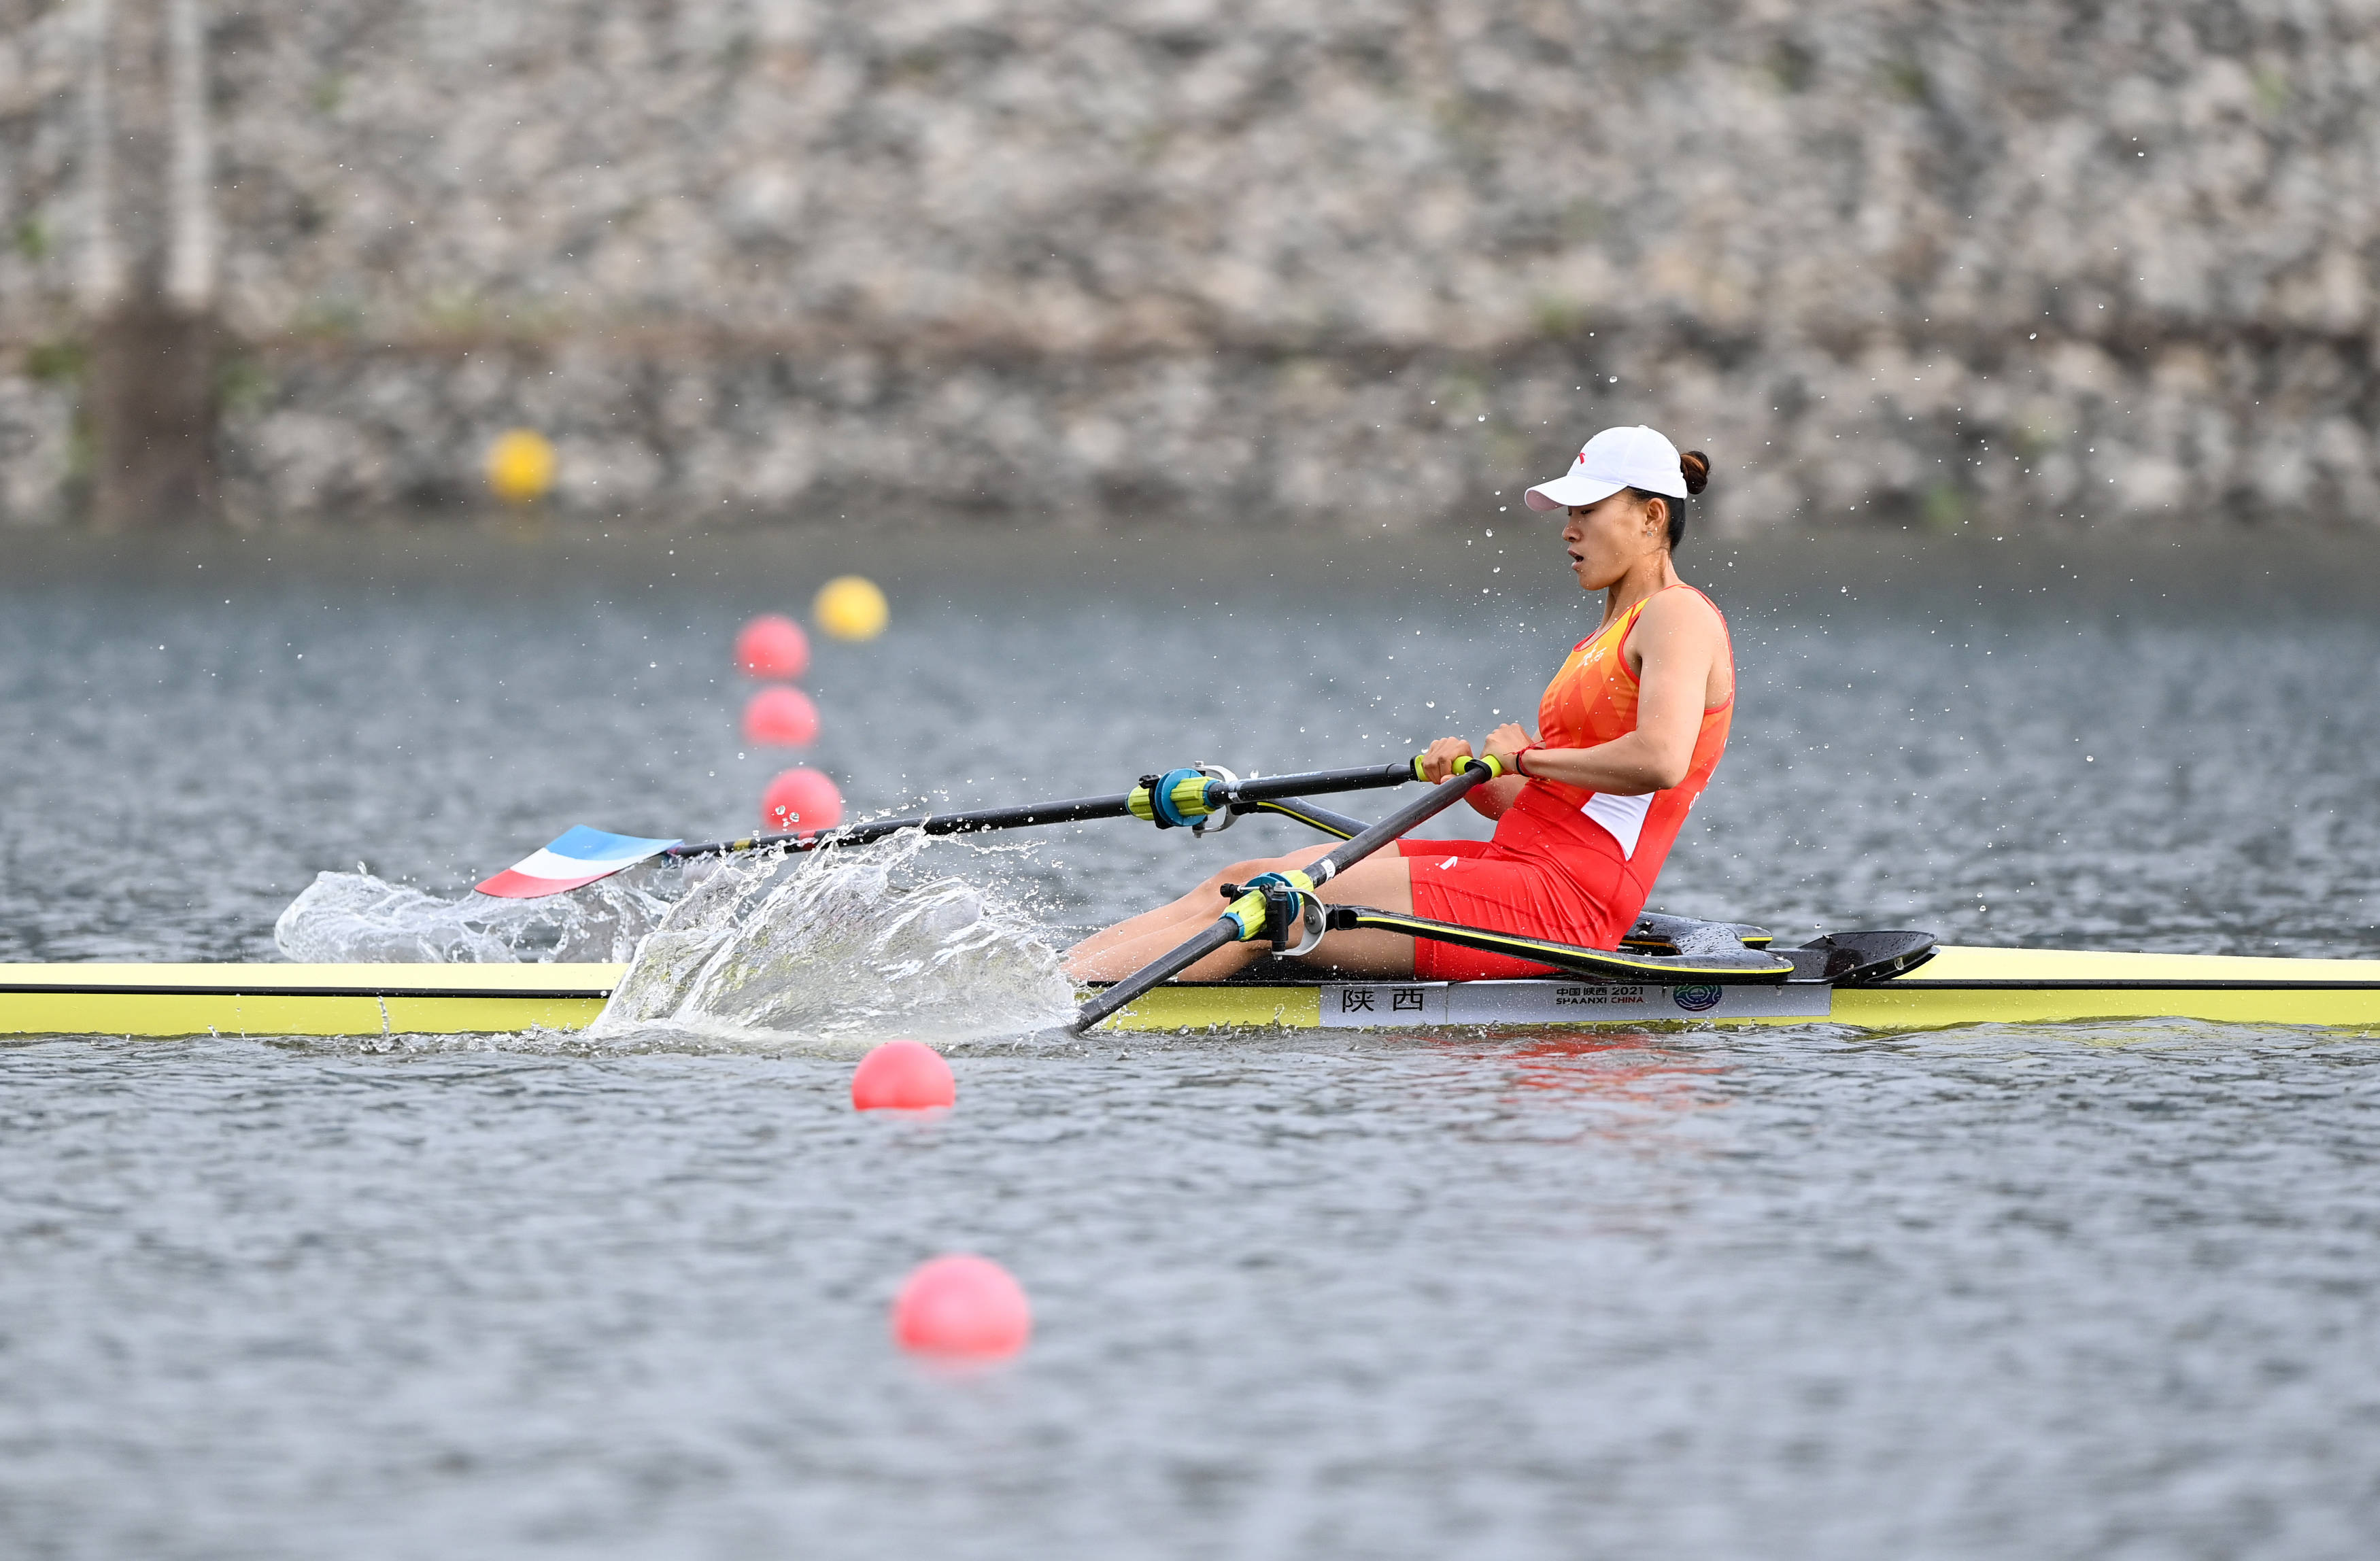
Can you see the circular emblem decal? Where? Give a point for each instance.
(1694, 999)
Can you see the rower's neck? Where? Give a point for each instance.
(1653, 572)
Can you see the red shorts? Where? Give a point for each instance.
(1577, 894)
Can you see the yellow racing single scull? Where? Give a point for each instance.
(1956, 985)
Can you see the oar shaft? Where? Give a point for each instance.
(1070, 812)
(1265, 788)
(1273, 788)
(1225, 932)
(1436, 799)
(1223, 935)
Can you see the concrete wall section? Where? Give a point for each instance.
(2006, 262)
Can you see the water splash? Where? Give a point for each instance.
(345, 918)
(843, 948)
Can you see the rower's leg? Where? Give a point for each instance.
(1379, 880)
(1383, 881)
(1116, 953)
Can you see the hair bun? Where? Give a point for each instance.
(1696, 466)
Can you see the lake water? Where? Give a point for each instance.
(2083, 1291)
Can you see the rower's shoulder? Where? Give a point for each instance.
(1683, 606)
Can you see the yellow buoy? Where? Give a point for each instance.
(520, 466)
(850, 607)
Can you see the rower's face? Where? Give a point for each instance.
(1607, 538)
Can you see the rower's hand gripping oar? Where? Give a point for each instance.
(1282, 907)
(1200, 798)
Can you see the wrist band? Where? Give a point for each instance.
(1518, 767)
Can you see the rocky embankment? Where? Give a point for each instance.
(1354, 264)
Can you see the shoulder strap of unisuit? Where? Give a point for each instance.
(1633, 613)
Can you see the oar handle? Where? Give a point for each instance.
(1438, 798)
(1230, 929)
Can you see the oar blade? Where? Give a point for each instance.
(578, 856)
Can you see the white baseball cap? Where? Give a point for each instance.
(1614, 459)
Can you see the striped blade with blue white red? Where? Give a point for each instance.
(577, 858)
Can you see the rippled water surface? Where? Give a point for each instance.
(2066, 1291)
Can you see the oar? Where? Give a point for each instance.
(1178, 799)
(1286, 905)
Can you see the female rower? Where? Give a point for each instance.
(1629, 732)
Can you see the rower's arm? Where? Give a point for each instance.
(1678, 639)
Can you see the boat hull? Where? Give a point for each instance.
(1959, 985)
(294, 1000)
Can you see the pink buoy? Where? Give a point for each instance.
(965, 1306)
(781, 717)
(902, 1076)
(801, 800)
(772, 646)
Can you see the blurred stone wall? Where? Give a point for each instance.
(1350, 262)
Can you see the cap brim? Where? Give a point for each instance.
(1576, 489)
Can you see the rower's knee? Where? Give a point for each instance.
(1241, 872)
